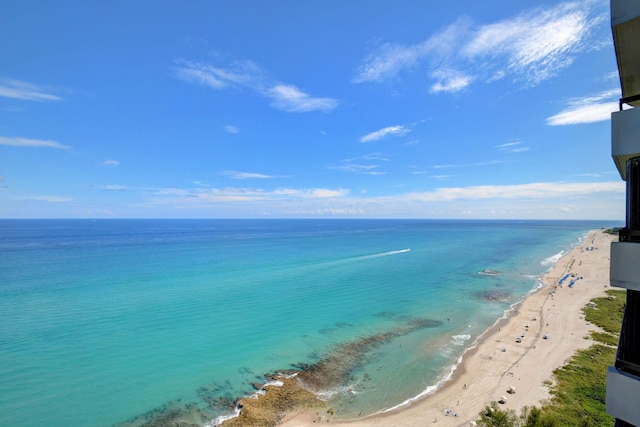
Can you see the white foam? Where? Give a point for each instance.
(276, 383)
(396, 252)
(327, 394)
(552, 260)
(426, 392)
(222, 418)
(430, 389)
(460, 339)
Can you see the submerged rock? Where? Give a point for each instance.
(270, 408)
(495, 295)
(335, 369)
(171, 415)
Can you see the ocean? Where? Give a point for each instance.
(115, 322)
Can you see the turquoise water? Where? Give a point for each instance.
(103, 321)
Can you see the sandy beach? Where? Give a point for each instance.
(552, 328)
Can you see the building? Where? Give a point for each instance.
(623, 379)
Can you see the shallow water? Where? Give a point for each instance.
(103, 321)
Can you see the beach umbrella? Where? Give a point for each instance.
(511, 390)
(502, 400)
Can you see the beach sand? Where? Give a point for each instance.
(498, 362)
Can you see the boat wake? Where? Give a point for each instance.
(383, 254)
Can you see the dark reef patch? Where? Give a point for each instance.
(298, 391)
(171, 415)
(494, 295)
(334, 369)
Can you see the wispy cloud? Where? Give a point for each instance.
(537, 43)
(48, 199)
(523, 200)
(247, 74)
(291, 99)
(238, 73)
(390, 59)
(28, 142)
(531, 47)
(247, 175)
(541, 190)
(18, 89)
(513, 147)
(450, 81)
(590, 109)
(357, 168)
(113, 187)
(111, 163)
(384, 132)
(198, 196)
(317, 211)
(366, 165)
(231, 129)
(465, 165)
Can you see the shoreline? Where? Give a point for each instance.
(495, 362)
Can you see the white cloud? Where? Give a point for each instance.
(239, 73)
(533, 191)
(328, 212)
(543, 190)
(542, 200)
(356, 165)
(513, 147)
(532, 47)
(291, 99)
(247, 175)
(218, 195)
(111, 163)
(18, 89)
(589, 109)
(49, 199)
(355, 168)
(231, 129)
(384, 132)
(536, 44)
(27, 142)
(488, 163)
(199, 75)
(390, 59)
(247, 74)
(585, 114)
(450, 81)
(113, 187)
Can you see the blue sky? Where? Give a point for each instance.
(319, 108)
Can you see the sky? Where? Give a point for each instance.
(308, 109)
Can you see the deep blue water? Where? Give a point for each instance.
(104, 320)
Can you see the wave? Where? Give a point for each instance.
(430, 389)
(222, 418)
(460, 339)
(552, 260)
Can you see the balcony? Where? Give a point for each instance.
(625, 25)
